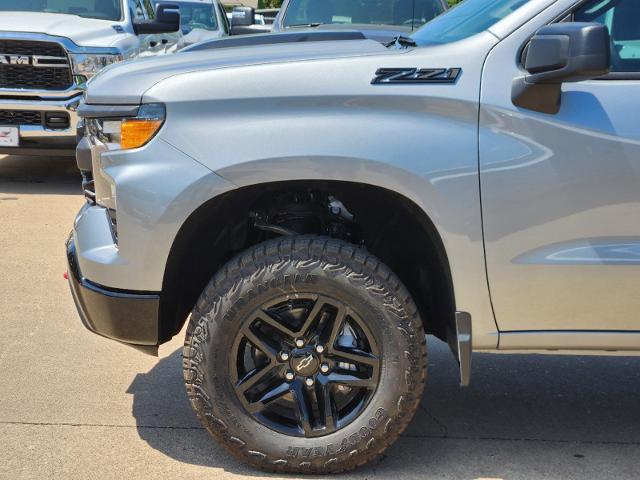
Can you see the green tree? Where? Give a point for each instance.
(269, 3)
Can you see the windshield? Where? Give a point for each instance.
(197, 15)
(466, 19)
(407, 13)
(101, 9)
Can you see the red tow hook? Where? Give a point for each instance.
(65, 275)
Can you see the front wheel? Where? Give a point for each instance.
(305, 355)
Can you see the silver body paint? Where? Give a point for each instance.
(560, 225)
(561, 205)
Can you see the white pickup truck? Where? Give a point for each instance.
(49, 49)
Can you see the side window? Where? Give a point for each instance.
(149, 10)
(622, 18)
(135, 7)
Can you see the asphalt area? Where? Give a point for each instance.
(74, 405)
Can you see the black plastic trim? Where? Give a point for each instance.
(464, 346)
(568, 15)
(43, 150)
(107, 111)
(538, 97)
(620, 76)
(128, 317)
(274, 38)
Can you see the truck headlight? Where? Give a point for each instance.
(88, 65)
(130, 132)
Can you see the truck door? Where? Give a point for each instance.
(561, 193)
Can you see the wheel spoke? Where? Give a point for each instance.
(325, 404)
(352, 380)
(264, 317)
(270, 395)
(254, 377)
(355, 355)
(302, 406)
(259, 343)
(313, 314)
(336, 328)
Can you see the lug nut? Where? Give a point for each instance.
(299, 343)
(324, 368)
(319, 348)
(289, 376)
(309, 382)
(284, 356)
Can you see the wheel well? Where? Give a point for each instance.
(387, 224)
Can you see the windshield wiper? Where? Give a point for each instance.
(401, 42)
(310, 25)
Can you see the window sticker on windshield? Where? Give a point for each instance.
(341, 19)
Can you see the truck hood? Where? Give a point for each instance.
(85, 32)
(126, 82)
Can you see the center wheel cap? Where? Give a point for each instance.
(304, 362)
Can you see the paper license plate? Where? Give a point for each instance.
(9, 136)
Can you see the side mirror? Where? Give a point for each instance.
(243, 16)
(563, 52)
(167, 20)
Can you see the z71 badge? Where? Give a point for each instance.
(416, 75)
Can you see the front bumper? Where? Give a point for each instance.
(45, 138)
(128, 317)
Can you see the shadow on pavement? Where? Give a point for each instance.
(523, 417)
(166, 421)
(39, 175)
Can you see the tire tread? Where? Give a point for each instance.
(336, 258)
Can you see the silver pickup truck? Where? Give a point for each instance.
(48, 51)
(313, 204)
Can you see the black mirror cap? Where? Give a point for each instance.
(167, 20)
(568, 52)
(243, 16)
(563, 52)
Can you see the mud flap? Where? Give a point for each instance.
(460, 345)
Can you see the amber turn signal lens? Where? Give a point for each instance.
(137, 132)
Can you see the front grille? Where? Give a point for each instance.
(29, 76)
(29, 47)
(20, 117)
(49, 120)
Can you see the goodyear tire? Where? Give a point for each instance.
(305, 355)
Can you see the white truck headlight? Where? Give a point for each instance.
(88, 65)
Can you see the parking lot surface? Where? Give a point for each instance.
(74, 405)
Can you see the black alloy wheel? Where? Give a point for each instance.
(305, 367)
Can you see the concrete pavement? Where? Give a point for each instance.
(73, 405)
